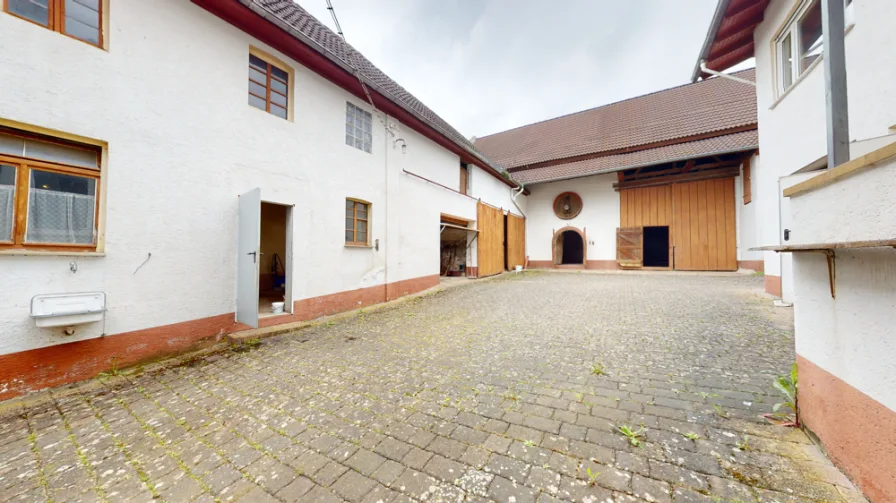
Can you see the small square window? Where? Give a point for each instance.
(358, 128)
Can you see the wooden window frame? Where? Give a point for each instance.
(748, 181)
(23, 166)
(355, 220)
(56, 20)
(272, 62)
(464, 179)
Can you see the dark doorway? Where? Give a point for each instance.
(656, 246)
(573, 248)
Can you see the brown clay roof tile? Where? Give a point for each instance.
(711, 106)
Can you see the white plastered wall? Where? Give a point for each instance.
(182, 145)
(792, 130)
(599, 216)
(850, 336)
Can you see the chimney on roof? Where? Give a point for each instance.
(473, 139)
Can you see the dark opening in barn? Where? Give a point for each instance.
(573, 248)
(656, 246)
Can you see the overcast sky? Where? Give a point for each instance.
(490, 65)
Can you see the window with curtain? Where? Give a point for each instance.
(80, 19)
(48, 193)
(357, 222)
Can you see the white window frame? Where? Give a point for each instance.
(358, 136)
(792, 29)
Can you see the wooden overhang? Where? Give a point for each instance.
(253, 24)
(729, 40)
(704, 168)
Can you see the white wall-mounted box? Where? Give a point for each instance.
(67, 309)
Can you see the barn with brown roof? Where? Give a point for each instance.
(657, 181)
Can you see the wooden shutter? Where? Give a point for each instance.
(748, 181)
(629, 248)
(464, 174)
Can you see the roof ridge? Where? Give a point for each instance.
(687, 84)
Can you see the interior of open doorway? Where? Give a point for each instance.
(273, 259)
(656, 246)
(572, 248)
(453, 249)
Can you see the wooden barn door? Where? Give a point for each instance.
(629, 247)
(490, 248)
(703, 225)
(516, 241)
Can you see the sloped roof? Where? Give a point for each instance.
(327, 41)
(710, 106)
(717, 145)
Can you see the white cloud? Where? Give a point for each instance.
(490, 65)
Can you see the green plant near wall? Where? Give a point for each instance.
(789, 386)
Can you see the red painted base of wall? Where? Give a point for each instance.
(591, 264)
(472, 272)
(756, 265)
(858, 432)
(51, 366)
(773, 285)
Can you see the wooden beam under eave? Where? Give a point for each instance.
(730, 172)
(744, 36)
(730, 59)
(738, 6)
(748, 17)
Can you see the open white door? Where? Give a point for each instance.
(248, 244)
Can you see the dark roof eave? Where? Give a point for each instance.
(279, 23)
(714, 26)
(647, 164)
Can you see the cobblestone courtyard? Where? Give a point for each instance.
(488, 392)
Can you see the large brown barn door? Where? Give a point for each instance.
(490, 250)
(629, 247)
(516, 241)
(703, 225)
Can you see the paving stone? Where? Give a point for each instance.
(353, 486)
(502, 489)
(416, 458)
(294, 491)
(388, 472)
(365, 462)
(655, 491)
(475, 456)
(509, 468)
(444, 469)
(307, 413)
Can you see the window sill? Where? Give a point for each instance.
(805, 74)
(350, 245)
(50, 253)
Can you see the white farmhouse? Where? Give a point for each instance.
(169, 170)
(834, 225)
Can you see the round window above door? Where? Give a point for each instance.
(567, 205)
